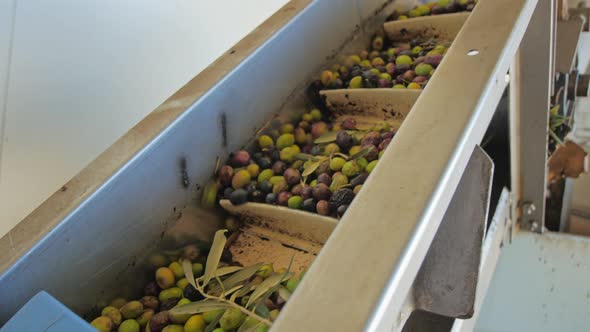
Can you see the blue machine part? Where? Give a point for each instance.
(44, 313)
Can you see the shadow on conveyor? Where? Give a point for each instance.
(422, 321)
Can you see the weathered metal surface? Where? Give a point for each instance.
(447, 280)
(443, 27)
(309, 226)
(371, 106)
(530, 91)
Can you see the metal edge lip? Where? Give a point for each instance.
(422, 225)
(13, 260)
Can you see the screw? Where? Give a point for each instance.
(528, 209)
(507, 78)
(534, 226)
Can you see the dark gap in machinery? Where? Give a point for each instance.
(497, 145)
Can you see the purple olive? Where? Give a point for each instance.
(349, 124)
(306, 192)
(388, 134)
(279, 167)
(283, 198)
(383, 145)
(292, 176)
(321, 192)
(226, 173)
(240, 158)
(433, 60)
(409, 75)
(420, 79)
(390, 68)
(323, 208)
(371, 138)
(325, 178)
(385, 83)
(151, 289)
(344, 140)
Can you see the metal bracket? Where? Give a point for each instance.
(447, 280)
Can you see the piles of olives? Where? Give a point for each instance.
(294, 165)
(435, 8)
(168, 289)
(389, 64)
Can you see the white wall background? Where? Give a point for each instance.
(75, 75)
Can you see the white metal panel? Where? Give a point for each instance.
(7, 17)
(540, 284)
(84, 72)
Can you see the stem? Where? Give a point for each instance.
(234, 305)
(554, 136)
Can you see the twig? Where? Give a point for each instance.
(234, 305)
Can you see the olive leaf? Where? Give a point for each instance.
(311, 168)
(238, 277)
(231, 290)
(328, 137)
(248, 287)
(198, 307)
(222, 271)
(188, 272)
(284, 293)
(340, 154)
(266, 285)
(362, 153)
(214, 255)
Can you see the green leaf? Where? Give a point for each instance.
(214, 255)
(266, 285)
(237, 278)
(311, 168)
(222, 271)
(362, 153)
(284, 293)
(198, 307)
(244, 291)
(328, 137)
(262, 311)
(187, 266)
(231, 290)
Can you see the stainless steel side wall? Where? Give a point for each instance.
(93, 251)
